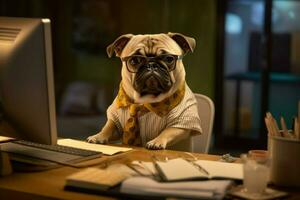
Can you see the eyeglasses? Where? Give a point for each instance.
(135, 62)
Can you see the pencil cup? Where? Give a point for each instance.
(269, 145)
(285, 153)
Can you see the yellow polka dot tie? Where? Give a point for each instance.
(131, 131)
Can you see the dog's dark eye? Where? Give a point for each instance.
(135, 61)
(168, 59)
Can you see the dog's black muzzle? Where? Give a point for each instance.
(152, 78)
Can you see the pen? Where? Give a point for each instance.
(160, 174)
(198, 166)
(201, 168)
(134, 169)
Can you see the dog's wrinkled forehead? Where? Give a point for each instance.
(174, 43)
(151, 45)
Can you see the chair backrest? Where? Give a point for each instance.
(206, 110)
(199, 143)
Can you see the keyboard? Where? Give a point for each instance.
(58, 148)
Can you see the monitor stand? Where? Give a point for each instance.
(27, 164)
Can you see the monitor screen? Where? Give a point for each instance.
(26, 80)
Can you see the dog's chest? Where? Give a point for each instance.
(150, 124)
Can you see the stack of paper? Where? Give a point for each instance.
(5, 139)
(105, 149)
(210, 189)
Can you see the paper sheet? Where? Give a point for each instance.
(222, 169)
(105, 149)
(5, 139)
(179, 169)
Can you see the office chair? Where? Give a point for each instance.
(206, 110)
(200, 143)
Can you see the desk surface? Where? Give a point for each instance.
(49, 184)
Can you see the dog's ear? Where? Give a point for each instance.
(186, 43)
(118, 45)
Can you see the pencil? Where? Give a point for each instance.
(269, 128)
(273, 124)
(284, 128)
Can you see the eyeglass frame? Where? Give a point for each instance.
(177, 57)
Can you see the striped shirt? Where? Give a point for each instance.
(184, 115)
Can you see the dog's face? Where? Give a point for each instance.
(152, 67)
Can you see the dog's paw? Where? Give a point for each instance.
(157, 144)
(97, 138)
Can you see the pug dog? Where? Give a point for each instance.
(154, 108)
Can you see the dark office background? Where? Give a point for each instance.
(225, 66)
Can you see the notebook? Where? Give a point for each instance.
(179, 169)
(95, 179)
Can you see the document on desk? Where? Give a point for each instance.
(105, 149)
(179, 169)
(219, 169)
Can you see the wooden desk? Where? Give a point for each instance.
(49, 184)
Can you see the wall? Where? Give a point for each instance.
(193, 18)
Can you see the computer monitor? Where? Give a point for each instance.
(26, 80)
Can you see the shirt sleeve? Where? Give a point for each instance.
(185, 115)
(113, 115)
